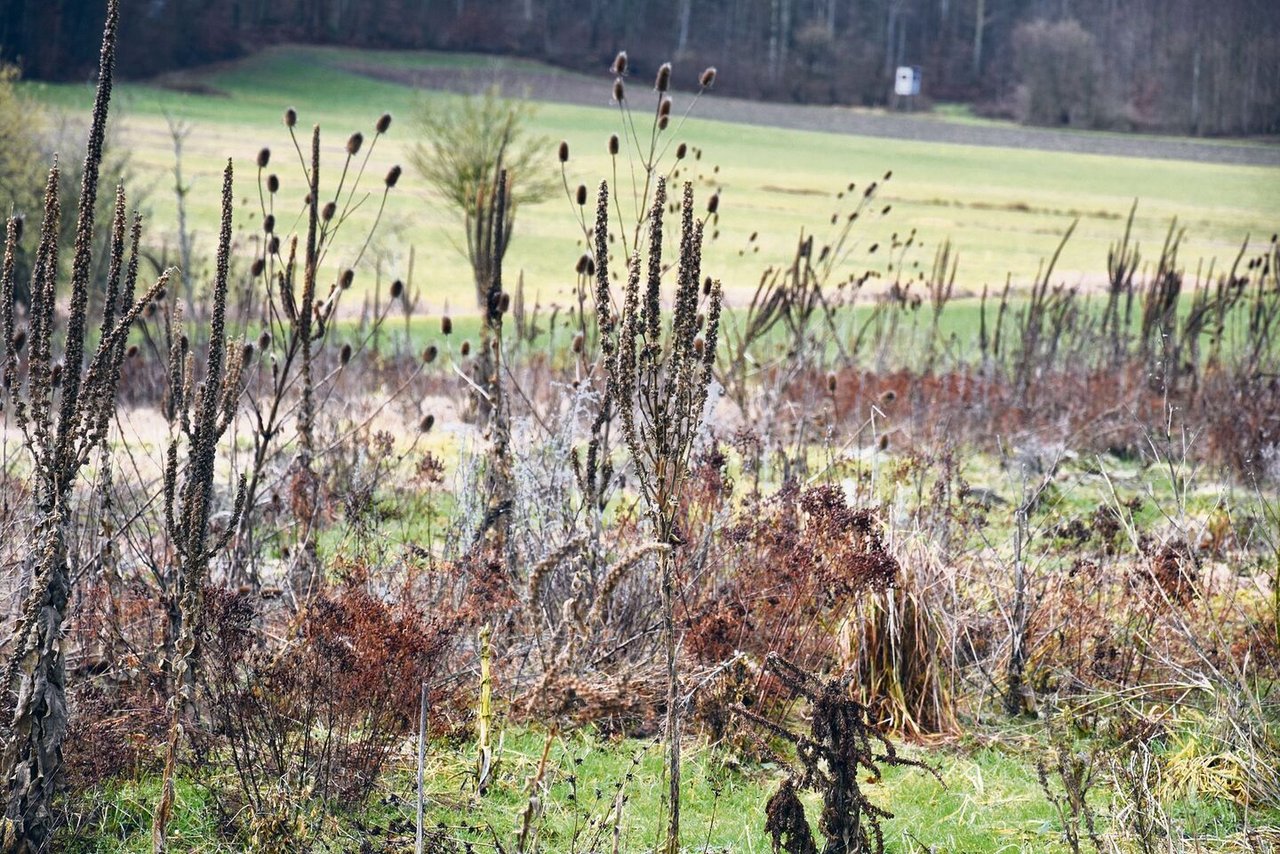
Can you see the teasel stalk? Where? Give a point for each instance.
(658, 385)
(62, 408)
(202, 415)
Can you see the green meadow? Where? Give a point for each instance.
(1003, 209)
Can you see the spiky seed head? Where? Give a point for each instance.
(264, 157)
(428, 421)
(663, 82)
(681, 151)
(246, 353)
(582, 195)
(345, 355)
(614, 144)
(348, 276)
(269, 223)
(619, 90)
(290, 117)
(264, 341)
(465, 349)
(620, 63)
(397, 289)
(393, 175)
(273, 183)
(429, 354)
(354, 142)
(446, 325)
(327, 212)
(708, 77)
(384, 122)
(564, 151)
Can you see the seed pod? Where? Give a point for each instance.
(327, 212)
(264, 157)
(344, 355)
(384, 122)
(256, 268)
(874, 247)
(831, 383)
(706, 286)
(429, 354)
(564, 151)
(290, 117)
(397, 289)
(699, 346)
(55, 377)
(161, 294)
(583, 261)
(681, 150)
(19, 340)
(713, 203)
(591, 266)
(619, 91)
(393, 175)
(664, 108)
(663, 121)
(708, 78)
(132, 352)
(273, 183)
(577, 342)
(428, 421)
(264, 341)
(269, 223)
(446, 325)
(504, 302)
(582, 194)
(614, 144)
(620, 63)
(348, 276)
(246, 353)
(354, 142)
(884, 441)
(465, 349)
(273, 245)
(888, 175)
(664, 77)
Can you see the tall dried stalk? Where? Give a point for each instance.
(658, 384)
(63, 409)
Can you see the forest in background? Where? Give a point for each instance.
(1150, 65)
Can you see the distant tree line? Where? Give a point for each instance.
(1179, 65)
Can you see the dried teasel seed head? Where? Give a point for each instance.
(582, 194)
(132, 352)
(504, 302)
(428, 421)
(246, 353)
(663, 81)
(620, 63)
(273, 183)
(354, 142)
(583, 261)
(384, 122)
(256, 268)
(397, 289)
(713, 203)
(831, 382)
(681, 151)
(269, 223)
(393, 175)
(273, 245)
(429, 354)
(708, 77)
(290, 117)
(465, 349)
(663, 121)
(446, 325)
(664, 108)
(264, 157)
(327, 212)
(264, 341)
(578, 341)
(614, 144)
(348, 276)
(564, 151)
(619, 90)
(344, 356)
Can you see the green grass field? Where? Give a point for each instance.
(1004, 209)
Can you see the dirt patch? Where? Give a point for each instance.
(580, 89)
